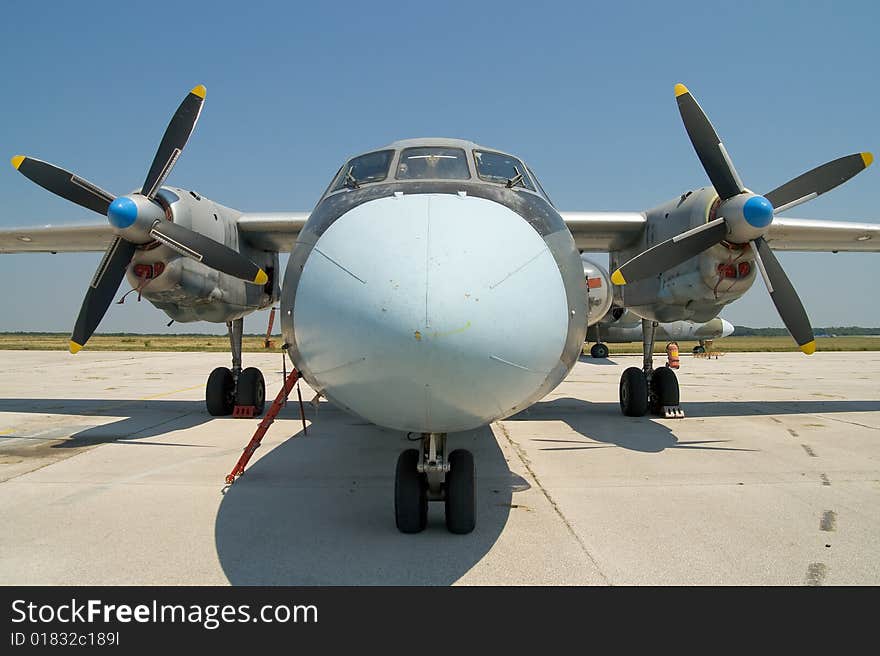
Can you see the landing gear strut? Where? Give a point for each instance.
(427, 474)
(229, 388)
(649, 389)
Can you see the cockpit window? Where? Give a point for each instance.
(496, 167)
(372, 167)
(433, 162)
(540, 186)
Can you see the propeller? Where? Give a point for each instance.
(137, 219)
(743, 217)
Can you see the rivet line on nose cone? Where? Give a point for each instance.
(330, 259)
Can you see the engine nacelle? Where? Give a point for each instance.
(697, 289)
(598, 291)
(187, 290)
(618, 316)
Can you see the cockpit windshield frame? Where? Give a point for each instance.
(519, 173)
(345, 181)
(539, 185)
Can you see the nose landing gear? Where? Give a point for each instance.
(229, 388)
(649, 389)
(427, 474)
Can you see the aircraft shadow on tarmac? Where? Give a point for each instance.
(319, 510)
(602, 422)
(589, 359)
(140, 419)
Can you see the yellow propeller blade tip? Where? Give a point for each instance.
(809, 348)
(867, 158)
(74, 347)
(261, 278)
(18, 159)
(200, 91)
(680, 90)
(617, 278)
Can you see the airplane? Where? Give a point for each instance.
(619, 325)
(435, 288)
(673, 331)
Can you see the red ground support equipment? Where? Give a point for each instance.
(268, 343)
(267, 421)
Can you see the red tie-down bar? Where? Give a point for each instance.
(267, 421)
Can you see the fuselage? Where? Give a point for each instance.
(673, 330)
(433, 291)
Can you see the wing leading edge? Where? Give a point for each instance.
(270, 231)
(606, 231)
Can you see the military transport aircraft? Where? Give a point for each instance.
(435, 287)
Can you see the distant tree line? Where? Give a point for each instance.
(839, 331)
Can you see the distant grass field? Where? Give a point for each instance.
(254, 343)
(735, 344)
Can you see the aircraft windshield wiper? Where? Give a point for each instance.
(515, 180)
(350, 180)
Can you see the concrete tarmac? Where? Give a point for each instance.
(112, 473)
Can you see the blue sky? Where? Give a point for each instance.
(581, 90)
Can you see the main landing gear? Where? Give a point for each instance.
(647, 388)
(599, 350)
(427, 474)
(231, 388)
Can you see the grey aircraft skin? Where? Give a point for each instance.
(435, 287)
(673, 331)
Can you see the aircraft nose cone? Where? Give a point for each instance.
(726, 328)
(122, 212)
(758, 211)
(430, 313)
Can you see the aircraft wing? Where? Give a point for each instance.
(604, 231)
(69, 238)
(788, 234)
(272, 231)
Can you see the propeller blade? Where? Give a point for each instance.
(709, 148)
(671, 252)
(64, 183)
(817, 181)
(176, 135)
(101, 291)
(785, 298)
(209, 252)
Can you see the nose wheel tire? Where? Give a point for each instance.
(599, 351)
(220, 392)
(633, 393)
(410, 494)
(251, 389)
(460, 494)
